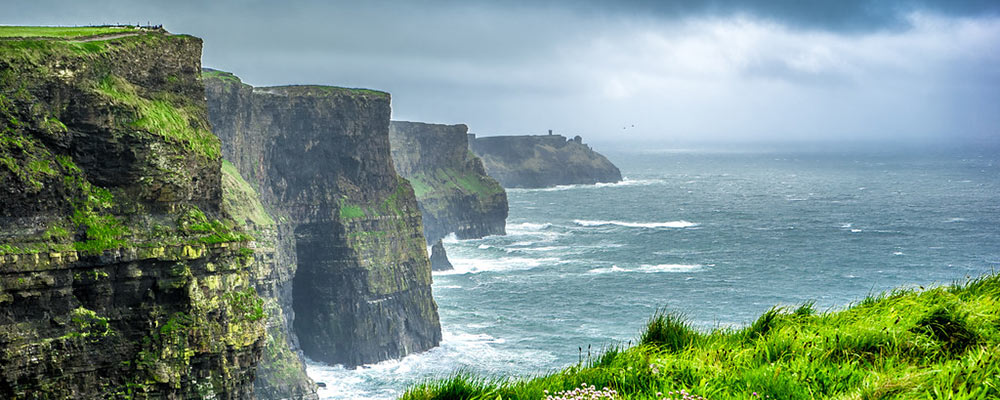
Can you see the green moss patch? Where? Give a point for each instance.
(240, 200)
(162, 117)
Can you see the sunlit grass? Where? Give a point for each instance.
(939, 343)
(61, 31)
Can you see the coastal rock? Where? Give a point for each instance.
(347, 223)
(453, 191)
(542, 161)
(439, 258)
(120, 274)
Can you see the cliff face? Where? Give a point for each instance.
(542, 161)
(453, 191)
(120, 274)
(320, 159)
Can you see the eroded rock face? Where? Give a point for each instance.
(542, 161)
(453, 191)
(120, 275)
(439, 258)
(319, 157)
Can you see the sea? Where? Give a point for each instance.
(719, 236)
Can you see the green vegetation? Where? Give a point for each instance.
(246, 305)
(86, 323)
(225, 77)
(103, 231)
(194, 223)
(162, 117)
(442, 181)
(939, 343)
(350, 211)
(240, 200)
(61, 31)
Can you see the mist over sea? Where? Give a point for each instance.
(718, 236)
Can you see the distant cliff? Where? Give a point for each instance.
(349, 229)
(122, 275)
(453, 191)
(542, 161)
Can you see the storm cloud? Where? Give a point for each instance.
(643, 71)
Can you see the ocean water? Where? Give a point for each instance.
(718, 236)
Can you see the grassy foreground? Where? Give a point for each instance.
(941, 343)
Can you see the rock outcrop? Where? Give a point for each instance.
(439, 258)
(121, 273)
(453, 191)
(542, 161)
(347, 223)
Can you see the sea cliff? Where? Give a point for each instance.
(348, 226)
(121, 273)
(453, 191)
(542, 161)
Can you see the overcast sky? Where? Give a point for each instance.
(723, 71)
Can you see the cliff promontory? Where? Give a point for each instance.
(453, 191)
(348, 227)
(542, 161)
(121, 273)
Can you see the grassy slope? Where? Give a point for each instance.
(60, 31)
(937, 343)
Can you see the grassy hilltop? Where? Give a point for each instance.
(907, 344)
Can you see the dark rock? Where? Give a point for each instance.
(360, 291)
(439, 259)
(542, 161)
(120, 275)
(453, 191)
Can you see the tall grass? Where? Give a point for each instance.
(936, 343)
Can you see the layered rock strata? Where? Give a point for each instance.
(121, 276)
(319, 157)
(542, 161)
(453, 191)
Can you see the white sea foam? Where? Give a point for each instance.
(855, 230)
(465, 265)
(649, 269)
(526, 227)
(668, 268)
(670, 224)
(600, 185)
(457, 350)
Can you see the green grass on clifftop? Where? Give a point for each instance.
(906, 344)
(61, 31)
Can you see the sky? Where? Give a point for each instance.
(628, 71)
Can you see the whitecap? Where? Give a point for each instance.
(668, 268)
(649, 268)
(527, 227)
(669, 224)
(855, 230)
(897, 253)
(464, 265)
(600, 185)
